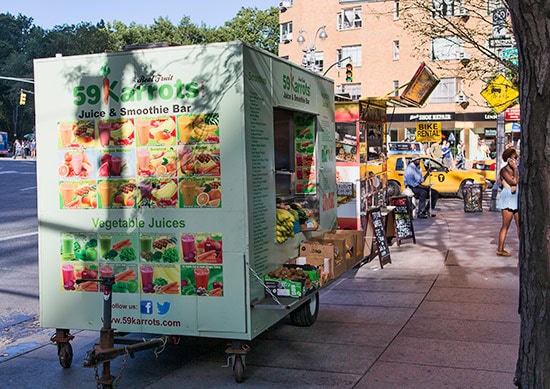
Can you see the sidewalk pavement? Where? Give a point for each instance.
(443, 314)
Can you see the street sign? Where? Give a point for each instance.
(512, 115)
(510, 54)
(500, 93)
(428, 132)
(495, 43)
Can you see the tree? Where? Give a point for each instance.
(531, 30)
(456, 23)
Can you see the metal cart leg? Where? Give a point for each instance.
(236, 358)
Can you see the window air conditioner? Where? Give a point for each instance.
(464, 55)
(286, 38)
(286, 4)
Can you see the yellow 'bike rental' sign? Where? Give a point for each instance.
(428, 132)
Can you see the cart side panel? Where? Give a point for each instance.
(272, 83)
(200, 82)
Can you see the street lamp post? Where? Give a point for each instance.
(308, 60)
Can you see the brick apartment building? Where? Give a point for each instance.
(385, 56)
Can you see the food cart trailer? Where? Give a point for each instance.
(161, 169)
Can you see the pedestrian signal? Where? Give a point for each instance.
(349, 72)
(22, 98)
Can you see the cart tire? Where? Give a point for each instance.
(65, 354)
(306, 314)
(238, 369)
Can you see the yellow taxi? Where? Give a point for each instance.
(486, 168)
(446, 181)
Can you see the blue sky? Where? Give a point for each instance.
(48, 13)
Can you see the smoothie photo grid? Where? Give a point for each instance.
(168, 161)
(188, 264)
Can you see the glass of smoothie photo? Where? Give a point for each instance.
(105, 244)
(146, 273)
(143, 126)
(106, 192)
(202, 275)
(188, 189)
(143, 158)
(76, 162)
(66, 133)
(67, 190)
(104, 129)
(116, 165)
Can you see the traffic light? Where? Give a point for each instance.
(349, 72)
(22, 98)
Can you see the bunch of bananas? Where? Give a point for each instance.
(285, 225)
(166, 192)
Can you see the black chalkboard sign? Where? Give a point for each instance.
(403, 218)
(379, 239)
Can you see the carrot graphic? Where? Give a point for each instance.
(105, 70)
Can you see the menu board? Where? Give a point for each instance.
(141, 163)
(404, 228)
(379, 238)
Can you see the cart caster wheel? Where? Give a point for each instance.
(306, 314)
(238, 369)
(65, 354)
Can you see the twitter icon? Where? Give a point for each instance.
(163, 308)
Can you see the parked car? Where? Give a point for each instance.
(446, 181)
(486, 168)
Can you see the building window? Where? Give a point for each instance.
(396, 10)
(447, 47)
(285, 32)
(349, 18)
(395, 50)
(396, 87)
(446, 8)
(353, 90)
(319, 60)
(349, 53)
(445, 91)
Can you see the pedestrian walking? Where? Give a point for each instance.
(460, 158)
(18, 149)
(447, 156)
(508, 201)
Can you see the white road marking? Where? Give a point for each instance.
(18, 236)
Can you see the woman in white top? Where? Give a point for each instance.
(508, 201)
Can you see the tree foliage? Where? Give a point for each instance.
(21, 42)
(471, 21)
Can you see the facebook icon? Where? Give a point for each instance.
(146, 307)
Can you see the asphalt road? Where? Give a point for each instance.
(18, 244)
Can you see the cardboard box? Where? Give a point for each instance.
(355, 241)
(285, 288)
(326, 274)
(294, 289)
(320, 248)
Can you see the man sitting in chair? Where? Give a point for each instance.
(413, 180)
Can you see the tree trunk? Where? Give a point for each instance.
(531, 23)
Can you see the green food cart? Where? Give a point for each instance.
(162, 169)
